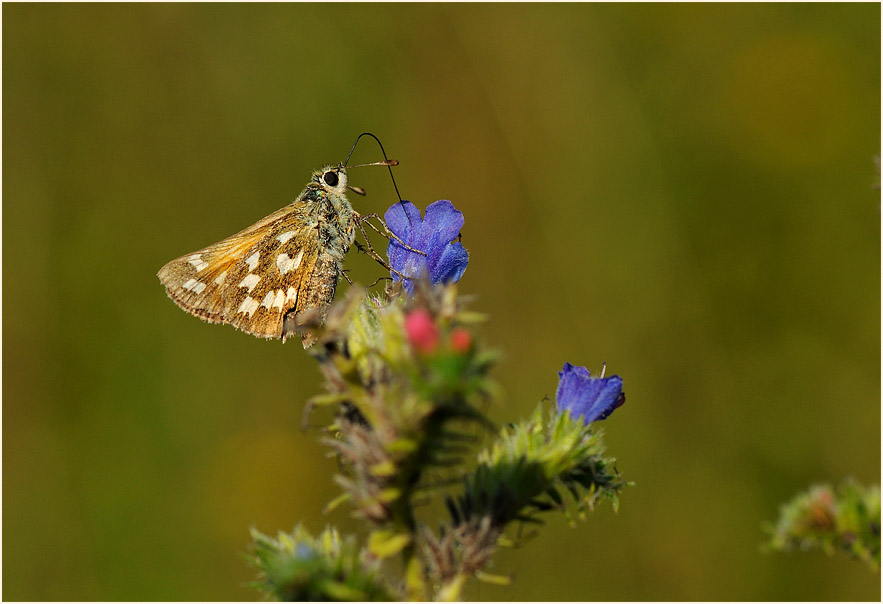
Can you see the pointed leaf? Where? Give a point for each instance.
(493, 579)
(385, 543)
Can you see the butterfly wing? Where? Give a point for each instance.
(251, 279)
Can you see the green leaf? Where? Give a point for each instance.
(389, 495)
(383, 469)
(414, 581)
(493, 579)
(450, 591)
(385, 543)
(335, 503)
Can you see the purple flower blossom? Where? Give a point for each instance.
(586, 397)
(445, 259)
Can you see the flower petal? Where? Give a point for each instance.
(589, 398)
(450, 265)
(397, 219)
(443, 220)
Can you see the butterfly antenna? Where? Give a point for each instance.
(388, 163)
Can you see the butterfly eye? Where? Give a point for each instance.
(330, 178)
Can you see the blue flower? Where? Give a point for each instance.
(437, 234)
(590, 398)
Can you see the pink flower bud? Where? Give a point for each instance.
(422, 331)
(461, 340)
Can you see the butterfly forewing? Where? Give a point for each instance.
(284, 263)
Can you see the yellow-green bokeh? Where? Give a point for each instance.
(686, 192)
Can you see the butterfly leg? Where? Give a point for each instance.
(386, 232)
(378, 280)
(369, 249)
(343, 271)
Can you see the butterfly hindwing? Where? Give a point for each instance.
(272, 279)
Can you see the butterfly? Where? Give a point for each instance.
(277, 277)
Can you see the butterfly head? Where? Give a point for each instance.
(332, 179)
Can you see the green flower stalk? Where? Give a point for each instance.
(409, 408)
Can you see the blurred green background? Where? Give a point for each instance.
(686, 192)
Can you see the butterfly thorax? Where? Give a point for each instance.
(333, 216)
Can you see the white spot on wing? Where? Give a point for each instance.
(291, 296)
(248, 306)
(220, 278)
(194, 285)
(197, 261)
(268, 299)
(252, 261)
(274, 299)
(285, 263)
(285, 236)
(250, 281)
